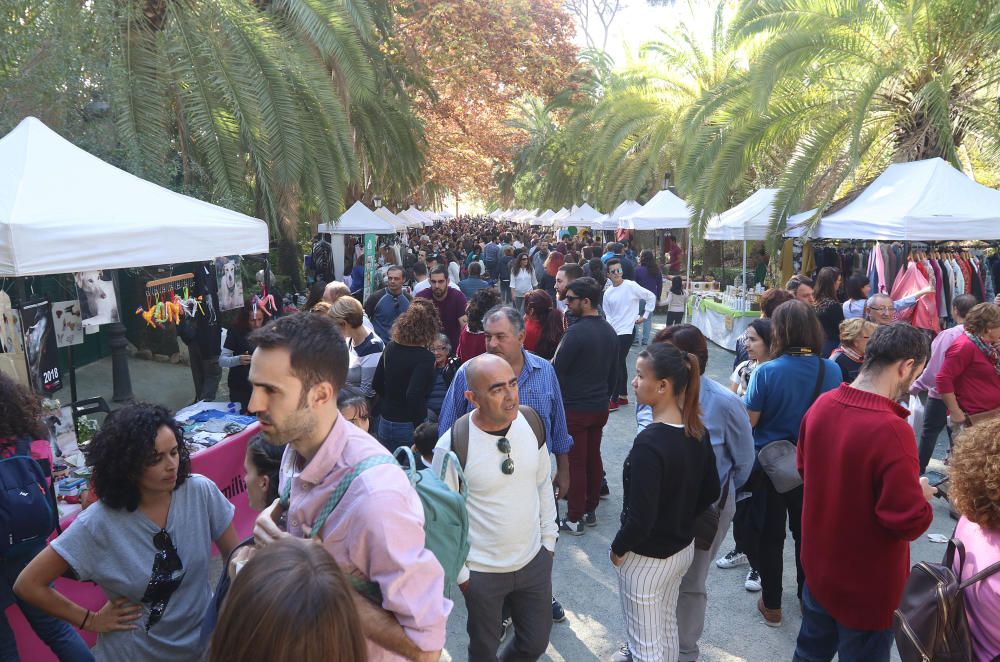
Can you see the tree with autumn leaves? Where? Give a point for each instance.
(482, 58)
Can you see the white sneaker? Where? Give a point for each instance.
(623, 654)
(752, 582)
(731, 560)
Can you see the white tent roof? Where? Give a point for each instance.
(748, 220)
(663, 212)
(423, 216)
(558, 216)
(446, 215)
(543, 218)
(610, 221)
(583, 216)
(358, 220)
(496, 213)
(64, 210)
(412, 220)
(918, 201)
(400, 224)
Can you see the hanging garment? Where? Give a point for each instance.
(947, 281)
(966, 270)
(938, 288)
(808, 259)
(923, 315)
(786, 262)
(958, 286)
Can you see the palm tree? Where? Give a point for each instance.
(844, 88)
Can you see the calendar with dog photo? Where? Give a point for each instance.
(230, 282)
(98, 300)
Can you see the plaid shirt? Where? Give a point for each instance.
(538, 388)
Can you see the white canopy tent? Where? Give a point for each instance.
(664, 211)
(919, 201)
(610, 221)
(416, 213)
(747, 221)
(64, 210)
(411, 220)
(358, 220)
(558, 216)
(583, 216)
(397, 222)
(446, 215)
(541, 218)
(495, 214)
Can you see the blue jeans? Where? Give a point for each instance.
(393, 435)
(647, 326)
(820, 637)
(57, 634)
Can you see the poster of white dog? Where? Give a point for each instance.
(98, 301)
(228, 277)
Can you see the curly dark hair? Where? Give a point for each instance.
(121, 450)
(481, 302)
(975, 474)
(20, 411)
(417, 326)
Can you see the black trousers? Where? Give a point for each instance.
(773, 511)
(935, 419)
(675, 318)
(619, 386)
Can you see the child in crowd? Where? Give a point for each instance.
(353, 406)
(425, 437)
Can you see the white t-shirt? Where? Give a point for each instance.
(510, 516)
(621, 304)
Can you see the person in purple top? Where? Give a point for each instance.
(650, 276)
(450, 304)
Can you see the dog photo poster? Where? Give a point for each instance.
(98, 301)
(40, 347)
(69, 323)
(227, 275)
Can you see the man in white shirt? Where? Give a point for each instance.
(621, 309)
(512, 530)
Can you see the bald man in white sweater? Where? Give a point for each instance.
(622, 299)
(512, 530)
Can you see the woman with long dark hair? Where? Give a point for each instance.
(522, 279)
(21, 433)
(829, 310)
(858, 287)
(779, 393)
(676, 301)
(543, 324)
(668, 479)
(236, 353)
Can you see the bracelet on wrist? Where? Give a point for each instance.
(86, 616)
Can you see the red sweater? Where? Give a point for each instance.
(862, 504)
(968, 374)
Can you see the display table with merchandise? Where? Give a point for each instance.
(222, 464)
(720, 324)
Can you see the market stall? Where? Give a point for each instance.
(101, 219)
(720, 323)
(664, 211)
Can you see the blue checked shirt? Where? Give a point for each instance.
(537, 387)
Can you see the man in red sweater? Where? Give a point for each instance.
(863, 503)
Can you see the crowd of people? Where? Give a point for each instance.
(494, 357)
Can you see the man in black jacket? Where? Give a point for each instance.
(585, 379)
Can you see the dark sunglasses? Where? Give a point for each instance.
(507, 466)
(163, 581)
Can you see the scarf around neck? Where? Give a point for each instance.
(850, 353)
(986, 348)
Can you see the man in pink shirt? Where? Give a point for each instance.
(375, 533)
(935, 411)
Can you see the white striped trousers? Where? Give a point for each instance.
(648, 588)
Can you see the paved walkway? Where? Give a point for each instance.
(583, 579)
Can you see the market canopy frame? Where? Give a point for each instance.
(664, 211)
(359, 219)
(925, 200)
(64, 210)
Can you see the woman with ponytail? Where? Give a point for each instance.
(669, 478)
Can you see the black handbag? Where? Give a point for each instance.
(706, 525)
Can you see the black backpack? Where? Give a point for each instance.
(931, 623)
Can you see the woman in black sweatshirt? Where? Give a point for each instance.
(669, 478)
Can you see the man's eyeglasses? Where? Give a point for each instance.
(507, 466)
(881, 309)
(614, 271)
(570, 297)
(438, 348)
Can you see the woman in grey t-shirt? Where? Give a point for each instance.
(146, 543)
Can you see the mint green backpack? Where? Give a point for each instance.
(446, 519)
